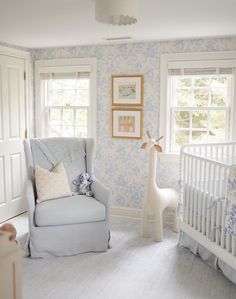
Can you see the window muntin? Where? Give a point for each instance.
(199, 109)
(67, 105)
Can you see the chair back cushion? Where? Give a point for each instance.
(48, 152)
(51, 184)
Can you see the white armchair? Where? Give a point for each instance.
(71, 225)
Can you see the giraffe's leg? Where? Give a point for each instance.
(175, 222)
(158, 226)
(144, 225)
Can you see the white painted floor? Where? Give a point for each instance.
(133, 268)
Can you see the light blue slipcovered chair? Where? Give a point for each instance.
(71, 225)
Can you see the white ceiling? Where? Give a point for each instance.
(48, 23)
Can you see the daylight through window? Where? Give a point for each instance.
(67, 103)
(199, 108)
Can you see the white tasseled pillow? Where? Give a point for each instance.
(51, 184)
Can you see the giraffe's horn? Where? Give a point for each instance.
(158, 139)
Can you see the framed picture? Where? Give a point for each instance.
(127, 123)
(127, 90)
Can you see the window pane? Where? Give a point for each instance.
(181, 138)
(81, 117)
(67, 131)
(218, 97)
(184, 97)
(216, 135)
(54, 131)
(81, 132)
(217, 119)
(56, 98)
(182, 119)
(54, 116)
(68, 117)
(82, 84)
(69, 84)
(69, 97)
(184, 82)
(199, 136)
(217, 126)
(201, 82)
(56, 84)
(199, 119)
(201, 97)
(218, 81)
(82, 97)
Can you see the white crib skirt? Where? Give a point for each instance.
(186, 241)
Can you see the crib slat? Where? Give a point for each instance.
(204, 198)
(191, 193)
(209, 202)
(222, 241)
(196, 193)
(200, 196)
(187, 191)
(218, 205)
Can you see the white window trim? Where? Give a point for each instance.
(68, 65)
(191, 60)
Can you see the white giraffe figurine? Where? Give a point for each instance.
(156, 199)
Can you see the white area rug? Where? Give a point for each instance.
(134, 268)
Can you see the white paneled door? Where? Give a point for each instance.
(12, 131)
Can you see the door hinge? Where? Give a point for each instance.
(24, 75)
(26, 133)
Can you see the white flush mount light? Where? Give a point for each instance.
(116, 12)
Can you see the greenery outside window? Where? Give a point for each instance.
(199, 107)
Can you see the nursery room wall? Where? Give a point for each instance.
(120, 163)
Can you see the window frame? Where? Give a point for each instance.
(191, 60)
(65, 65)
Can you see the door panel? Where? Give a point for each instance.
(16, 179)
(1, 106)
(12, 118)
(14, 101)
(2, 182)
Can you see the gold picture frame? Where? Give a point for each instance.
(127, 123)
(127, 90)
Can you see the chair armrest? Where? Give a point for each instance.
(30, 198)
(102, 194)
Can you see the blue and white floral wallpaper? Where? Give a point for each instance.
(120, 163)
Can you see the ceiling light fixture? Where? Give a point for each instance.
(116, 12)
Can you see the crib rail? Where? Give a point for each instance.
(204, 171)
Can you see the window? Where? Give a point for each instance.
(200, 97)
(66, 98)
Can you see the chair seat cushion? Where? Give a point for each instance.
(69, 210)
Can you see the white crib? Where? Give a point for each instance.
(204, 171)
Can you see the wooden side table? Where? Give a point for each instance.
(10, 268)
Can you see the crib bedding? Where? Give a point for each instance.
(212, 260)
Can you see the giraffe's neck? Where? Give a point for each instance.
(152, 166)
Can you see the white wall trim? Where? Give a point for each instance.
(212, 58)
(132, 213)
(90, 63)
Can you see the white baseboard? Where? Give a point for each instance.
(126, 212)
(137, 213)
